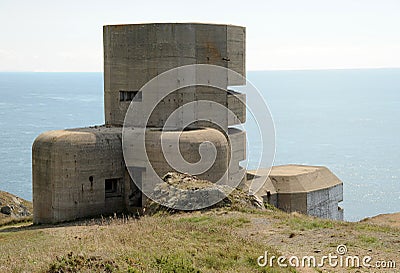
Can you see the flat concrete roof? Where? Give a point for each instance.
(299, 178)
(292, 169)
(180, 23)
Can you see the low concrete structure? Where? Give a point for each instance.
(312, 190)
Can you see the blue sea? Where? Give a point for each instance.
(347, 120)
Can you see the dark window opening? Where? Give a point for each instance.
(130, 95)
(112, 187)
(135, 196)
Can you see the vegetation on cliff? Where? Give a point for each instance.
(223, 239)
(219, 240)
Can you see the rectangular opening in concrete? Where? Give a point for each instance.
(130, 95)
(113, 187)
(135, 197)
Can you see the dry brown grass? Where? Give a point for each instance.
(6, 221)
(196, 242)
(219, 240)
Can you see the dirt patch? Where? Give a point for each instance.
(300, 235)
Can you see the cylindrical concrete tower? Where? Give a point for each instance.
(134, 54)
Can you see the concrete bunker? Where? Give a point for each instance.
(81, 172)
(312, 190)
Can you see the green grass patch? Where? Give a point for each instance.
(307, 223)
(374, 228)
(234, 222)
(195, 219)
(367, 239)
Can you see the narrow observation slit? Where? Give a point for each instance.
(130, 95)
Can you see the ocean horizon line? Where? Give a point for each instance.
(252, 70)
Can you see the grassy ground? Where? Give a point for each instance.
(219, 240)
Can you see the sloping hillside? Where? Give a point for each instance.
(234, 236)
(219, 240)
(14, 209)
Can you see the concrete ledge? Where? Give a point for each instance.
(237, 104)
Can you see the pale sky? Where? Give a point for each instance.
(44, 35)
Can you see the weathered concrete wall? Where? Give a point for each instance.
(70, 169)
(134, 54)
(183, 96)
(238, 145)
(189, 145)
(292, 202)
(324, 203)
